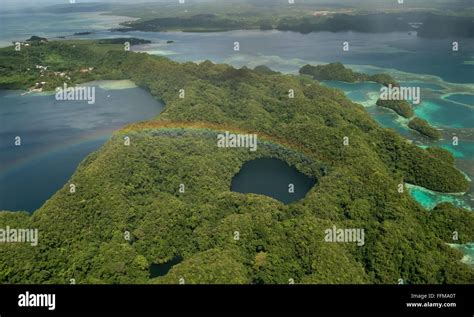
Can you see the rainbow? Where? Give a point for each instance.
(213, 127)
(106, 134)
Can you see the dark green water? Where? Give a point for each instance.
(271, 177)
(162, 269)
(56, 136)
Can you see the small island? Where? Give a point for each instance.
(423, 127)
(122, 40)
(83, 33)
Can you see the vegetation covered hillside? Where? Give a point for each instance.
(128, 210)
(337, 71)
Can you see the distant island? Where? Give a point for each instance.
(83, 33)
(401, 107)
(427, 24)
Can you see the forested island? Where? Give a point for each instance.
(83, 33)
(128, 212)
(401, 107)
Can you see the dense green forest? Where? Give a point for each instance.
(401, 107)
(424, 128)
(127, 211)
(337, 71)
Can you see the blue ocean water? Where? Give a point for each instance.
(464, 150)
(444, 113)
(465, 99)
(427, 63)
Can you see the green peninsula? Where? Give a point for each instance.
(337, 71)
(127, 211)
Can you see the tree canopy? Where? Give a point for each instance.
(128, 211)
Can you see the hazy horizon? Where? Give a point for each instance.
(22, 4)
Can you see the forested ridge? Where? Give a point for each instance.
(135, 188)
(303, 20)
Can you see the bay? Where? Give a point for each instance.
(57, 135)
